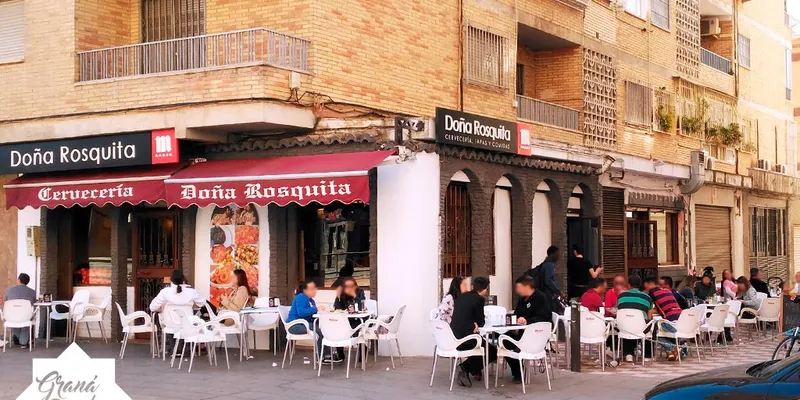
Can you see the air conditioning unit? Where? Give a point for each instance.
(782, 169)
(709, 27)
(764, 164)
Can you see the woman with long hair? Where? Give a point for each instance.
(747, 293)
(728, 287)
(686, 288)
(457, 286)
(240, 296)
(177, 293)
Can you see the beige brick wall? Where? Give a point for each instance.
(398, 56)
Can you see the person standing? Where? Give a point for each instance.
(533, 306)
(579, 272)
(755, 281)
(467, 317)
(21, 292)
(547, 275)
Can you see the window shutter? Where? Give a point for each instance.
(12, 30)
(614, 251)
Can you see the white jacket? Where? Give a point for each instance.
(170, 295)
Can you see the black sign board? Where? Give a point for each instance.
(73, 154)
(470, 130)
(790, 313)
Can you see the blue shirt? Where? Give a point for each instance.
(302, 308)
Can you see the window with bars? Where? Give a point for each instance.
(458, 231)
(172, 19)
(486, 58)
(768, 232)
(659, 13)
(12, 30)
(638, 104)
(743, 50)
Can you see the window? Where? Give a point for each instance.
(520, 79)
(768, 232)
(12, 30)
(458, 231)
(638, 104)
(788, 74)
(659, 14)
(667, 234)
(172, 19)
(487, 58)
(637, 8)
(744, 51)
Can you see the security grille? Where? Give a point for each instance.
(638, 104)
(487, 58)
(458, 231)
(172, 19)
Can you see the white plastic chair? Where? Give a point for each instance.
(195, 331)
(18, 314)
(370, 333)
(631, 326)
(531, 347)
(293, 338)
(495, 315)
(769, 311)
(171, 325)
(554, 337)
(687, 327)
(447, 347)
(264, 322)
(716, 324)
(594, 331)
(129, 327)
(79, 299)
(337, 333)
(91, 313)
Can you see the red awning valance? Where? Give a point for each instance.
(85, 188)
(322, 178)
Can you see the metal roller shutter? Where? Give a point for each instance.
(713, 238)
(12, 30)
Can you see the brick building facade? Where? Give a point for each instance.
(618, 98)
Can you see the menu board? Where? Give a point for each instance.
(234, 245)
(790, 313)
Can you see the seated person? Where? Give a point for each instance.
(533, 306)
(177, 293)
(458, 286)
(349, 294)
(669, 309)
(592, 299)
(610, 301)
(747, 293)
(667, 283)
(21, 292)
(635, 299)
(304, 307)
(468, 316)
(239, 298)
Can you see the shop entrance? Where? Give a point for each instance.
(155, 252)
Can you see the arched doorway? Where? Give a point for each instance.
(502, 276)
(583, 233)
(542, 229)
(457, 224)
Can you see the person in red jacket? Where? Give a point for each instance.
(620, 286)
(593, 297)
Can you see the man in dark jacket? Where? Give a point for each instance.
(533, 306)
(468, 316)
(548, 277)
(756, 282)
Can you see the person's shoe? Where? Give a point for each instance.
(629, 358)
(23, 347)
(516, 380)
(463, 377)
(327, 360)
(336, 359)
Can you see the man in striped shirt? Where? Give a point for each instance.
(665, 301)
(635, 299)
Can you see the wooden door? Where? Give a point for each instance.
(156, 252)
(614, 251)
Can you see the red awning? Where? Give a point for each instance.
(322, 178)
(84, 188)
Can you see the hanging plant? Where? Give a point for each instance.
(666, 119)
(748, 147)
(731, 135)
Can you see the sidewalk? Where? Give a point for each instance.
(144, 378)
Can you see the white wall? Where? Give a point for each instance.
(409, 248)
(29, 265)
(542, 228)
(501, 282)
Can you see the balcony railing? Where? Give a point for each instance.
(547, 113)
(715, 61)
(257, 46)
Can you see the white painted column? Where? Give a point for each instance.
(25, 263)
(409, 248)
(737, 237)
(542, 228)
(501, 283)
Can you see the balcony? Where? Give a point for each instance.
(251, 47)
(774, 182)
(715, 61)
(547, 113)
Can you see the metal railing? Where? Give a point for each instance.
(547, 113)
(257, 46)
(715, 61)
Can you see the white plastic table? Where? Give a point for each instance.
(50, 304)
(243, 313)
